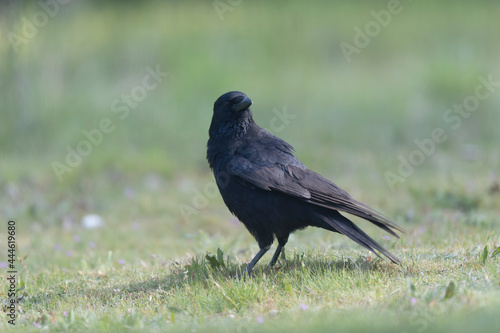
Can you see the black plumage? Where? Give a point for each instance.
(271, 191)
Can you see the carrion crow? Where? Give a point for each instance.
(268, 189)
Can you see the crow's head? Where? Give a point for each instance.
(231, 105)
(232, 114)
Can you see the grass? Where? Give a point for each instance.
(313, 288)
(155, 264)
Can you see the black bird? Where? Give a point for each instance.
(271, 191)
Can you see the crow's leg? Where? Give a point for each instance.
(257, 257)
(281, 244)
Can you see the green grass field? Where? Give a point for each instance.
(154, 265)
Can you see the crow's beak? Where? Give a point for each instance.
(243, 105)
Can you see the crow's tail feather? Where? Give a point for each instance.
(346, 227)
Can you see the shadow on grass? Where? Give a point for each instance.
(205, 272)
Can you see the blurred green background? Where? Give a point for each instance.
(352, 119)
(282, 54)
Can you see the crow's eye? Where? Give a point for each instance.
(226, 103)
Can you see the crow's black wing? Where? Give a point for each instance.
(271, 166)
(326, 194)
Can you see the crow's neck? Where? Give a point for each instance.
(224, 139)
(231, 130)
